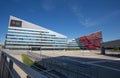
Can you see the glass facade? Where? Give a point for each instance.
(20, 38)
(25, 38)
(88, 42)
(72, 44)
(91, 41)
(23, 35)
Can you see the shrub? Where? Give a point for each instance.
(27, 61)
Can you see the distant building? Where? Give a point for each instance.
(23, 35)
(89, 42)
(1, 46)
(72, 44)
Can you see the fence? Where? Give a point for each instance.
(7, 69)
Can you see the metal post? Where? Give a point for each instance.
(40, 52)
(4, 58)
(10, 67)
(103, 50)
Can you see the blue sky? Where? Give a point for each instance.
(73, 18)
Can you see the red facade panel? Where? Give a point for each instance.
(92, 41)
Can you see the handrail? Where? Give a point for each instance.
(29, 71)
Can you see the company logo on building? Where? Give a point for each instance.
(15, 23)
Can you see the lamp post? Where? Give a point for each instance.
(40, 51)
(40, 43)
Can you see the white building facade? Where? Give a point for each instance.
(23, 35)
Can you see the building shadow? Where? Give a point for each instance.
(78, 67)
(110, 54)
(113, 55)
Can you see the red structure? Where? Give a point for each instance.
(92, 41)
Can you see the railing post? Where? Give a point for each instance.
(28, 76)
(3, 60)
(1, 63)
(10, 67)
(11, 64)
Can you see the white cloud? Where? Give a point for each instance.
(77, 10)
(89, 21)
(48, 5)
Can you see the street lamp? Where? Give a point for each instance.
(40, 51)
(40, 43)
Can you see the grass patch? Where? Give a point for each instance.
(27, 61)
(72, 49)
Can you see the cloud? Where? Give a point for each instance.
(89, 21)
(77, 11)
(48, 5)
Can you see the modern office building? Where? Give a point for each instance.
(23, 35)
(72, 44)
(91, 41)
(88, 42)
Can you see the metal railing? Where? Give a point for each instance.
(7, 69)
